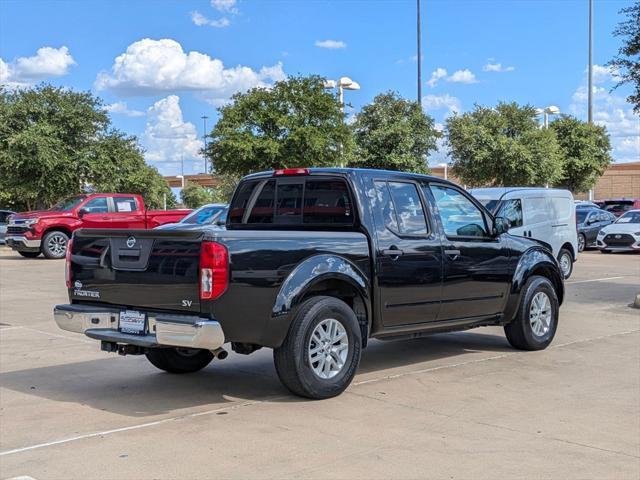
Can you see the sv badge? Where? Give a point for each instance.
(187, 303)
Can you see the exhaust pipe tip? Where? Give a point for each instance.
(220, 353)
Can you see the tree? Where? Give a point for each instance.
(194, 195)
(55, 142)
(297, 123)
(585, 152)
(393, 133)
(627, 63)
(503, 146)
(225, 188)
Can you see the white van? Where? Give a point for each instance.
(545, 214)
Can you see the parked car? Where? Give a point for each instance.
(4, 220)
(214, 214)
(312, 263)
(586, 204)
(48, 231)
(545, 214)
(621, 205)
(589, 221)
(621, 236)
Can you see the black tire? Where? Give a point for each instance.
(519, 331)
(179, 360)
(566, 253)
(582, 242)
(54, 244)
(291, 359)
(29, 254)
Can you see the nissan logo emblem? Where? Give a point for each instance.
(131, 242)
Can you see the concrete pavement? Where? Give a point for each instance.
(461, 405)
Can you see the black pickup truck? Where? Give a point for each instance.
(312, 264)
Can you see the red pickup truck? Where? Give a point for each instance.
(48, 231)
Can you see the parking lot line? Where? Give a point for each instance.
(594, 280)
(280, 397)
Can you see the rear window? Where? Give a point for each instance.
(292, 201)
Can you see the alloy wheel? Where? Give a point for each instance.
(540, 314)
(328, 348)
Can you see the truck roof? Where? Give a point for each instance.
(350, 171)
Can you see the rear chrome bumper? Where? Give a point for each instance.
(19, 242)
(168, 330)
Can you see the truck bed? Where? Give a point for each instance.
(160, 272)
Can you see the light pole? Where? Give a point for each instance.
(344, 83)
(590, 82)
(445, 169)
(419, 59)
(204, 136)
(550, 110)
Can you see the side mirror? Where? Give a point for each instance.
(500, 225)
(82, 212)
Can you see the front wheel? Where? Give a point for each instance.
(54, 244)
(320, 355)
(536, 321)
(179, 360)
(565, 259)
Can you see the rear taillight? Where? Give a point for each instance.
(67, 269)
(214, 270)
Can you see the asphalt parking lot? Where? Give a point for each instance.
(461, 405)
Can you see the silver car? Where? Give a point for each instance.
(4, 220)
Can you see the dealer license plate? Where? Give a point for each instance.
(132, 321)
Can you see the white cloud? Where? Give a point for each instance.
(47, 62)
(611, 111)
(122, 109)
(462, 76)
(151, 67)
(442, 102)
(331, 44)
(200, 20)
(227, 6)
(436, 75)
(459, 76)
(604, 74)
(497, 67)
(167, 138)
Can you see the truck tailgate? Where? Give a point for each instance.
(142, 268)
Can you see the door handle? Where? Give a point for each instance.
(453, 254)
(393, 251)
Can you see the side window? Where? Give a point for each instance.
(409, 212)
(97, 205)
(460, 216)
(512, 211)
(125, 204)
(382, 200)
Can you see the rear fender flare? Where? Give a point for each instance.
(535, 261)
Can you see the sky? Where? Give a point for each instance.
(160, 65)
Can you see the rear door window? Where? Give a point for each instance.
(409, 212)
(125, 204)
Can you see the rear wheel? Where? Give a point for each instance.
(54, 244)
(320, 355)
(179, 360)
(29, 254)
(582, 242)
(565, 259)
(536, 321)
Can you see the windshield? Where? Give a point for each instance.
(491, 205)
(68, 203)
(205, 215)
(629, 217)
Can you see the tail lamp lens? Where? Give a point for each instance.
(67, 269)
(214, 270)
